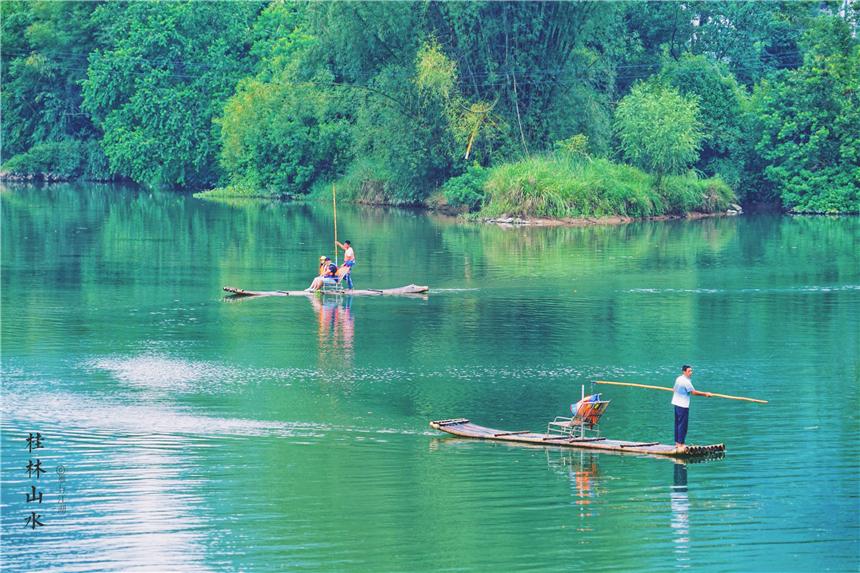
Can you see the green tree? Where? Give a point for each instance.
(403, 85)
(44, 59)
(658, 129)
(282, 137)
(548, 65)
(721, 114)
(752, 39)
(809, 124)
(285, 128)
(164, 74)
(410, 136)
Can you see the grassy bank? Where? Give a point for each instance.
(558, 187)
(238, 192)
(553, 186)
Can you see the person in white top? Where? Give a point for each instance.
(349, 254)
(682, 390)
(348, 260)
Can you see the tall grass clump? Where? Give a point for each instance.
(532, 187)
(365, 181)
(559, 186)
(686, 193)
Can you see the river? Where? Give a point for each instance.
(179, 430)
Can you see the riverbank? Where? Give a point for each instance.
(554, 189)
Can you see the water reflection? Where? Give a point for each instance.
(336, 328)
(581, 468)
(152, 511)
(680, 520)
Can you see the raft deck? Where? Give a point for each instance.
(465, 428)
(404, 290)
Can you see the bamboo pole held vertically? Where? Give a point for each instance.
(334, 208)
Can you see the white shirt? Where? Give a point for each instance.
(349, 255)
(682, 390)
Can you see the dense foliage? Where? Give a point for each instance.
(164, 72)
(658, 128)
(397, 102)
(44, 61)
(720, 116)
(279, 131)
(810, 124)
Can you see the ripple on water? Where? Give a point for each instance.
(161, 372)
(83, 418)
(763, 290)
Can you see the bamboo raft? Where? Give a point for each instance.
(465, 428)
(404, 290)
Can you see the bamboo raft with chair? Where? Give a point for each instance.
(465, 428)
(578, 431)
(404, 290)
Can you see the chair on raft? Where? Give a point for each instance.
(583, 424)
(340, 283)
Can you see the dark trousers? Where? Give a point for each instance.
(682, 416)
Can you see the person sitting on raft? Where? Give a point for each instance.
(321, 271)
(328, 275)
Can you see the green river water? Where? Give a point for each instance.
(182, 431)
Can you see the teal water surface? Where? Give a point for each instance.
(182, 431)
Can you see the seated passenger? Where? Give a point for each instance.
(331, 276)
(328, 275)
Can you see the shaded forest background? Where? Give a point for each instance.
(557, 109)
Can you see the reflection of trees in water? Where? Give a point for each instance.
(581, 468)
(336, 329)
(673, 248)
(547, 252)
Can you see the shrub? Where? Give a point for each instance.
(365, 181)
(52, 160)
(575, 146)
(686, 193)
(552, 187)
(62, 160)
(658, 128)
(466, 190)
(95, 165)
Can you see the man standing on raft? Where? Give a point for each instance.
(681, 400)
(348, 260)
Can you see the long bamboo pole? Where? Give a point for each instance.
(334, 208)
(697, 392)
